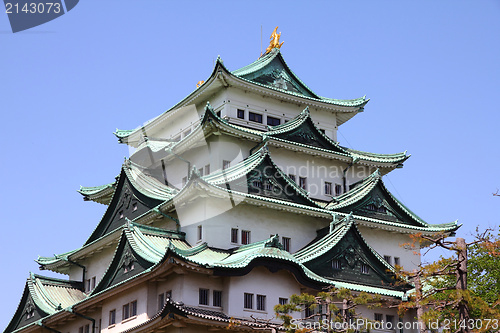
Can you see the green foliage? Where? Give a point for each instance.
(484, 270)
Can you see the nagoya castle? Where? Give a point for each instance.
(231, 201)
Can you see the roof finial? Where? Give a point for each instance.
(275, 41)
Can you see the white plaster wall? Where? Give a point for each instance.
(388, 243)
(208, 152)
(260, 281)
(96, 265)
(187, 117)
(74, 324)
(318, 170)
(250, 102)
(261, 222)
(139, 294)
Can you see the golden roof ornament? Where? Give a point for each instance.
(275, 41)
(199, 83)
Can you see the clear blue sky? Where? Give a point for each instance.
(430, 68)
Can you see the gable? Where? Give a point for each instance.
(266, 180)
(307, 134)
(127, 263)
(27, 312)
(277, 75)
(378, 204)
(127, 203)
(344, 261)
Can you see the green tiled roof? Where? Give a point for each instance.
(253, 168)
(302, 129)
(380, 158)
(46, 296)
(270, 249)
(361, 193)
(147, 184)
(273, 65)
(101, 194)
(120, 134)
(240, 74)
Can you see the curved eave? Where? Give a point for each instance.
(359, 192)
(100, 194)
(212, 124)
(266, 59)
(310, 150)
(210, 85)
(198, 184)
(147, 185)
(362, 156)
(356, 194)
(344, 112)
(404, 228)
(59, 265)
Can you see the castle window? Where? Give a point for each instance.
(84, 329)
(203, 296)
(257, 184)
(336, 264)
(217, 298)
(248, 301)
(200, 171)
(308, 312)
(271, 121)
(245, 237)
(240, 113)
(234, 235)
(378, 317)
(177, 138)
(382, 209)
(207, 169)
(397, 261)
(186, 133)
(92, 284)
(283, 301)
(161, 301)
(255, 117)
(303, 182)
(226, 164)
(286, 243)
(388, 259)
(389, 319)
(261, 302)
(371, 207)
(328, 188)
(200, 232)
(292, 177)
(129, 310)
(112, 317)
(338, 189)
(269, 186)
(365, 269)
